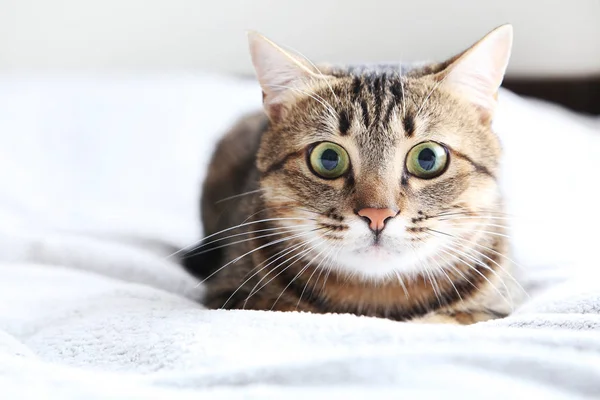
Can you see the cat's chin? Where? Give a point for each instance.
(377, 263)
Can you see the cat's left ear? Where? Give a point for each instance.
(280, 73)
(477, 73)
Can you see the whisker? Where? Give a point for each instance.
(401, 281)
(443, 270)
(314, 210)
(453, 267)
(479, 217)
(482, 224)
(510, 303)
(239, 195)
(425, 268)
(330, 267)
(286, 251)
(499, 266)
(493, 261)
(481, 231)
(279, 228)
(472, 212)
(482, 246)
(256, 249)
(280, 207)
(449, 264)
(318, 267)
(492, 223)
(299, 273)
(197, 253)
(294, 199)
(195, 244)
(270, 258)
(297, 258)
(285, 261)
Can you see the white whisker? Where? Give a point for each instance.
(318, 267)
(473, 268)
(252, 251)
(297, 258)
(443, 270)
(279, 228)
(286, 251)
(425, 268)
(289, 230)
(481, 224)
(239, 195)
(484, 247)
(401, 281)
(475, 217)
(300, 273)
(490, 259)
(480, 231)
(329, 267)
(195, 244)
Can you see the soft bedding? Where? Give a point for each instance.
(99, 178)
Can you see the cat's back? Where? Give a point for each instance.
(232, 169)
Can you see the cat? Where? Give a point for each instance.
(369, 190)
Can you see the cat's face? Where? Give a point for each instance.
(378, 166)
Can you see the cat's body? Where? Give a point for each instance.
(326, 206)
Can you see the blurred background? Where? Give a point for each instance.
(553, 38)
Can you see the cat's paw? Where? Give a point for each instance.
(434, 318)
(455, 318)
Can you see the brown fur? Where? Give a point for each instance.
(259, 171)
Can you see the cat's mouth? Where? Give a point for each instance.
(376, 247)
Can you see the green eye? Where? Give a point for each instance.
(427, 160)
(328, 160)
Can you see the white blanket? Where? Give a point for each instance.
(99, 181)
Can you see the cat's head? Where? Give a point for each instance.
(385, 167)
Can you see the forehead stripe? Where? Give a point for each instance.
(356, 87)
(344, 122)
(365, 114)
(409, 125)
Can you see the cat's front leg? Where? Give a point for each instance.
(456, 318)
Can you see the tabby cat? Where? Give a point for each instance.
(364, 190)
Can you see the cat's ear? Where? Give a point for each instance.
(477, 73)
(278, 73)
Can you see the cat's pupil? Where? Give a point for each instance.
(426, 159)
(330, 159)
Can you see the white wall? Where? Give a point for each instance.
(552, 36)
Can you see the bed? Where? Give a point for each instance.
(99, 180)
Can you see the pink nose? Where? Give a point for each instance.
(377, 217)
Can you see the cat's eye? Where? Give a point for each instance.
(329, 160)
(427, 160)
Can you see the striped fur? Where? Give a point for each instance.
(291, 248)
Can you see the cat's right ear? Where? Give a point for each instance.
(279, 73)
